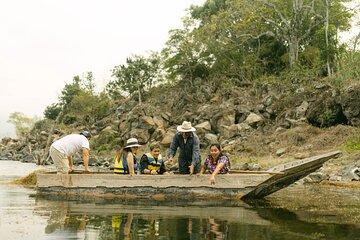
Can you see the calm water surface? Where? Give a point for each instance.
(298, 212)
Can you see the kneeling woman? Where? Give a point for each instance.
(125, 161)
(152, 162)
(216, 162)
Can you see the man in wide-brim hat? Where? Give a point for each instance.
(189, 144)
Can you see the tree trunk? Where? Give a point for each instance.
(327, 38)
(139, 93)
(293, 51)
(46, 156)
(355, 46)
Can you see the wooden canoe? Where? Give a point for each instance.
(245, 185)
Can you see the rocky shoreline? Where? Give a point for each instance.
(258, 127)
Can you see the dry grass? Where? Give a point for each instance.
(29, 180)
(302, 140)
(353, 184)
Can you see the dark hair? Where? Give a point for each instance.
(121, 153)
(217, 145)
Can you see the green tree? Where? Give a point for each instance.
(22, 123)
(88, 83)
(137, 75)
(231, 37)
(86, 108)
(246, 43)
(184, 58)
(70, 90)
(78, 102)
(52, 111)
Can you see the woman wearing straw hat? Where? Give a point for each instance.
(126, 161)
(189, 144)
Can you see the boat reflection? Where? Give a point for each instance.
(141, 220)
(122, 225)
(169, 220)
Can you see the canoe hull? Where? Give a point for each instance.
(184, 187)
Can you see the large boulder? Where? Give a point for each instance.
(325, 110)
(350, 102)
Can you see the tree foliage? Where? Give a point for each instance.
(248, 39)
(22, 123)
(184, 57)
(78, 102)
(52, 111)
(138, 74)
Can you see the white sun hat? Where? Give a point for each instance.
(186, 127)
(132, 142)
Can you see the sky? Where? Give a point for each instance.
(44, 44)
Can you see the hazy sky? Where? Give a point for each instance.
(44, 43)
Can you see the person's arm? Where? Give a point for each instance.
(202, 170)
(195, 154)
(173, 147)
(86, 155)
(130, 163)
(71, 164)
(163, 170)
(204, 167)
(217, 169)
(144, 164)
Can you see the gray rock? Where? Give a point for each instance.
(315, 177)
(211, 138)
(254, 120)
(351, 174)
(281, 151)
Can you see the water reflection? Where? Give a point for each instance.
(138, 220)
(289, 222)
(109, 220)
(301, 212)
(121, 225)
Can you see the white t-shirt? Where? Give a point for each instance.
(71, 144)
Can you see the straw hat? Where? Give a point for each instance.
(132, 142)
(186, 127)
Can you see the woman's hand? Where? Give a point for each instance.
(212, 180)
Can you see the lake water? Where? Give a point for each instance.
(298, 212)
